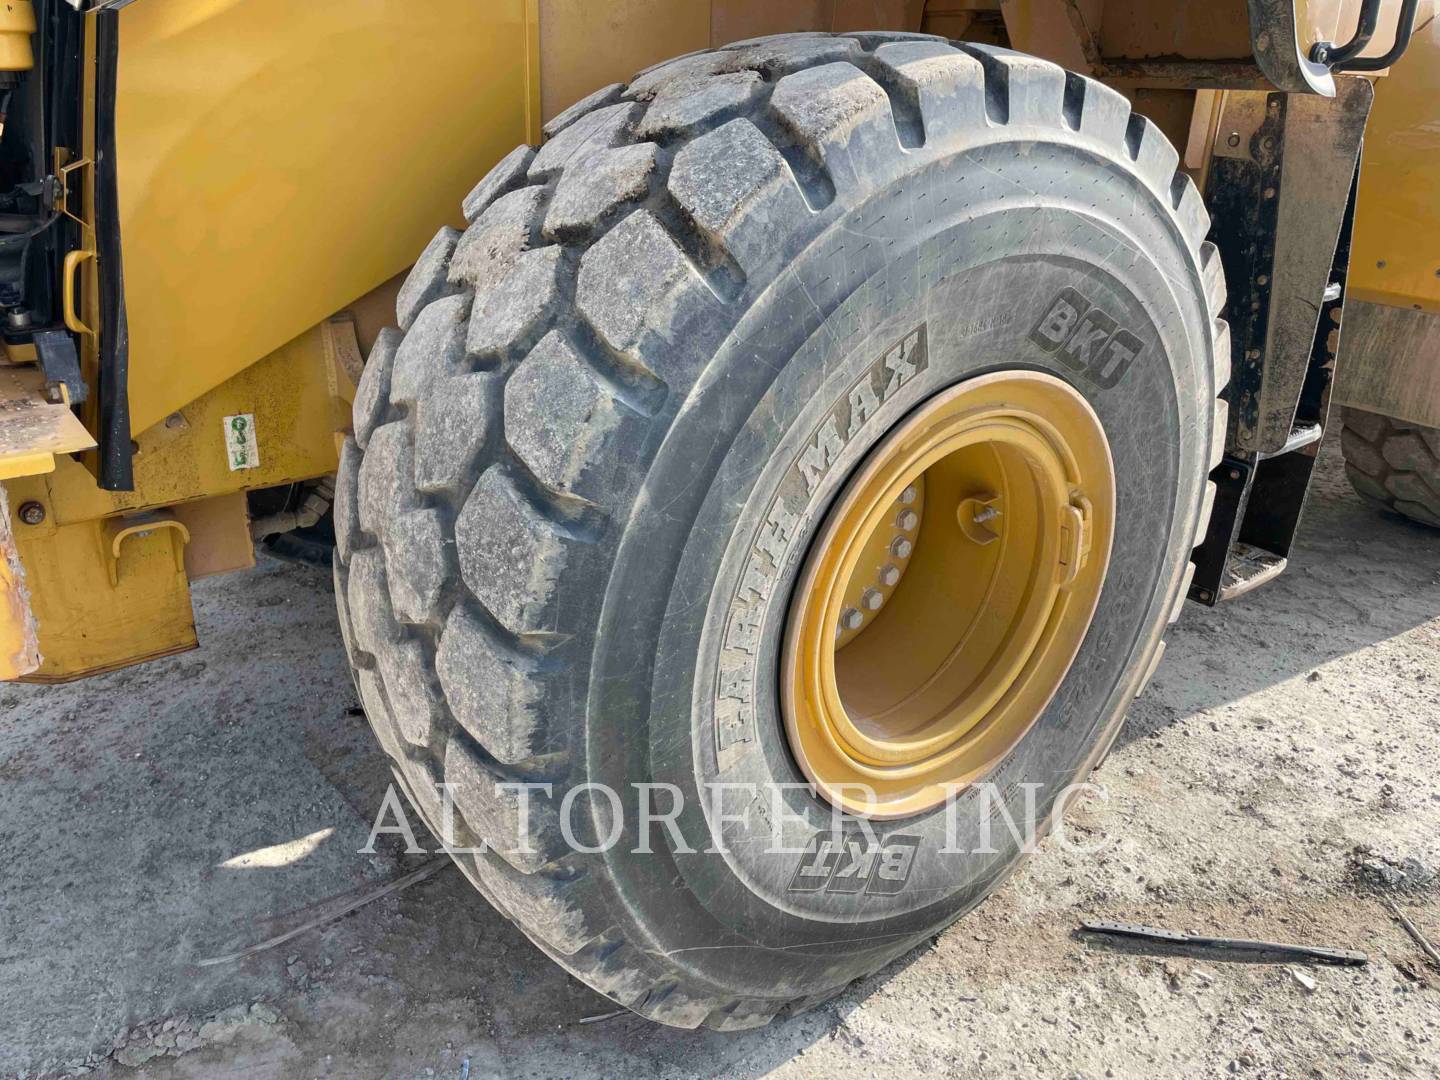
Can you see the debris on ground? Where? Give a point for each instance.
(1407, 874)
(1429, 950)
(176, 1036)
(1317, 954)
(345, 907)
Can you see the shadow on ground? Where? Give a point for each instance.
(1356, 577)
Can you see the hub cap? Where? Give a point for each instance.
(947, 593)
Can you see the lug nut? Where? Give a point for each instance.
(901, 547)
(908, 495)
(889, 575)
(850, 619)
(32, 513)
(907, 520)
(872, 599)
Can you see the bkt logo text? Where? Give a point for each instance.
(852, 863)
(1086, 339)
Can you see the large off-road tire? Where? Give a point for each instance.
(564, 473)
(1393, 464)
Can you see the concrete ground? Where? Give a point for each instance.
(1272, 782)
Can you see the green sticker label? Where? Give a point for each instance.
(241, 449)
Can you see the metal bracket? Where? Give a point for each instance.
(56, 352)
(1275, 41)
(1279, 183)
(65, 164)
(1260, 492)
(122, 529)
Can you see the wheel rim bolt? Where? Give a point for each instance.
(889, 575)
(901, 547)
(872, 599)
(907, 520)
(851, 619)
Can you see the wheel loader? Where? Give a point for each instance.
(807, 416)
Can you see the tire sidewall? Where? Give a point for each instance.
(968, 290)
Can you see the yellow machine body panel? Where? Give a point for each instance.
(1396, 255)
(276, 160)
(113, 592)
(288, 404)
(106, 572)
(571, 64)
(1390, 346)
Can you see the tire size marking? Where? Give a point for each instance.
(850, 863)
(772, 547)
(1086, 340)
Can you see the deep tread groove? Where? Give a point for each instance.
(635, 386)
(573, 517)
(811, 176)
(720, 272)
(1135, 135)
(1072, 107)
(638, 389)
(997, 82)
(1178, 183)
(904, 101)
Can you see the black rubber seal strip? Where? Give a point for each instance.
(116, 471)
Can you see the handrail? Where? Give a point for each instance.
(1333, 56)
(1341, 58)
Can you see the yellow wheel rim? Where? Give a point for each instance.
(947, 593)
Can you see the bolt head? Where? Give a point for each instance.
(907, 520)
(872, 599)
(889, 575)
(1234, 139)
(851, 619)
(32, 513)
(901, 547)
(909, 494)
